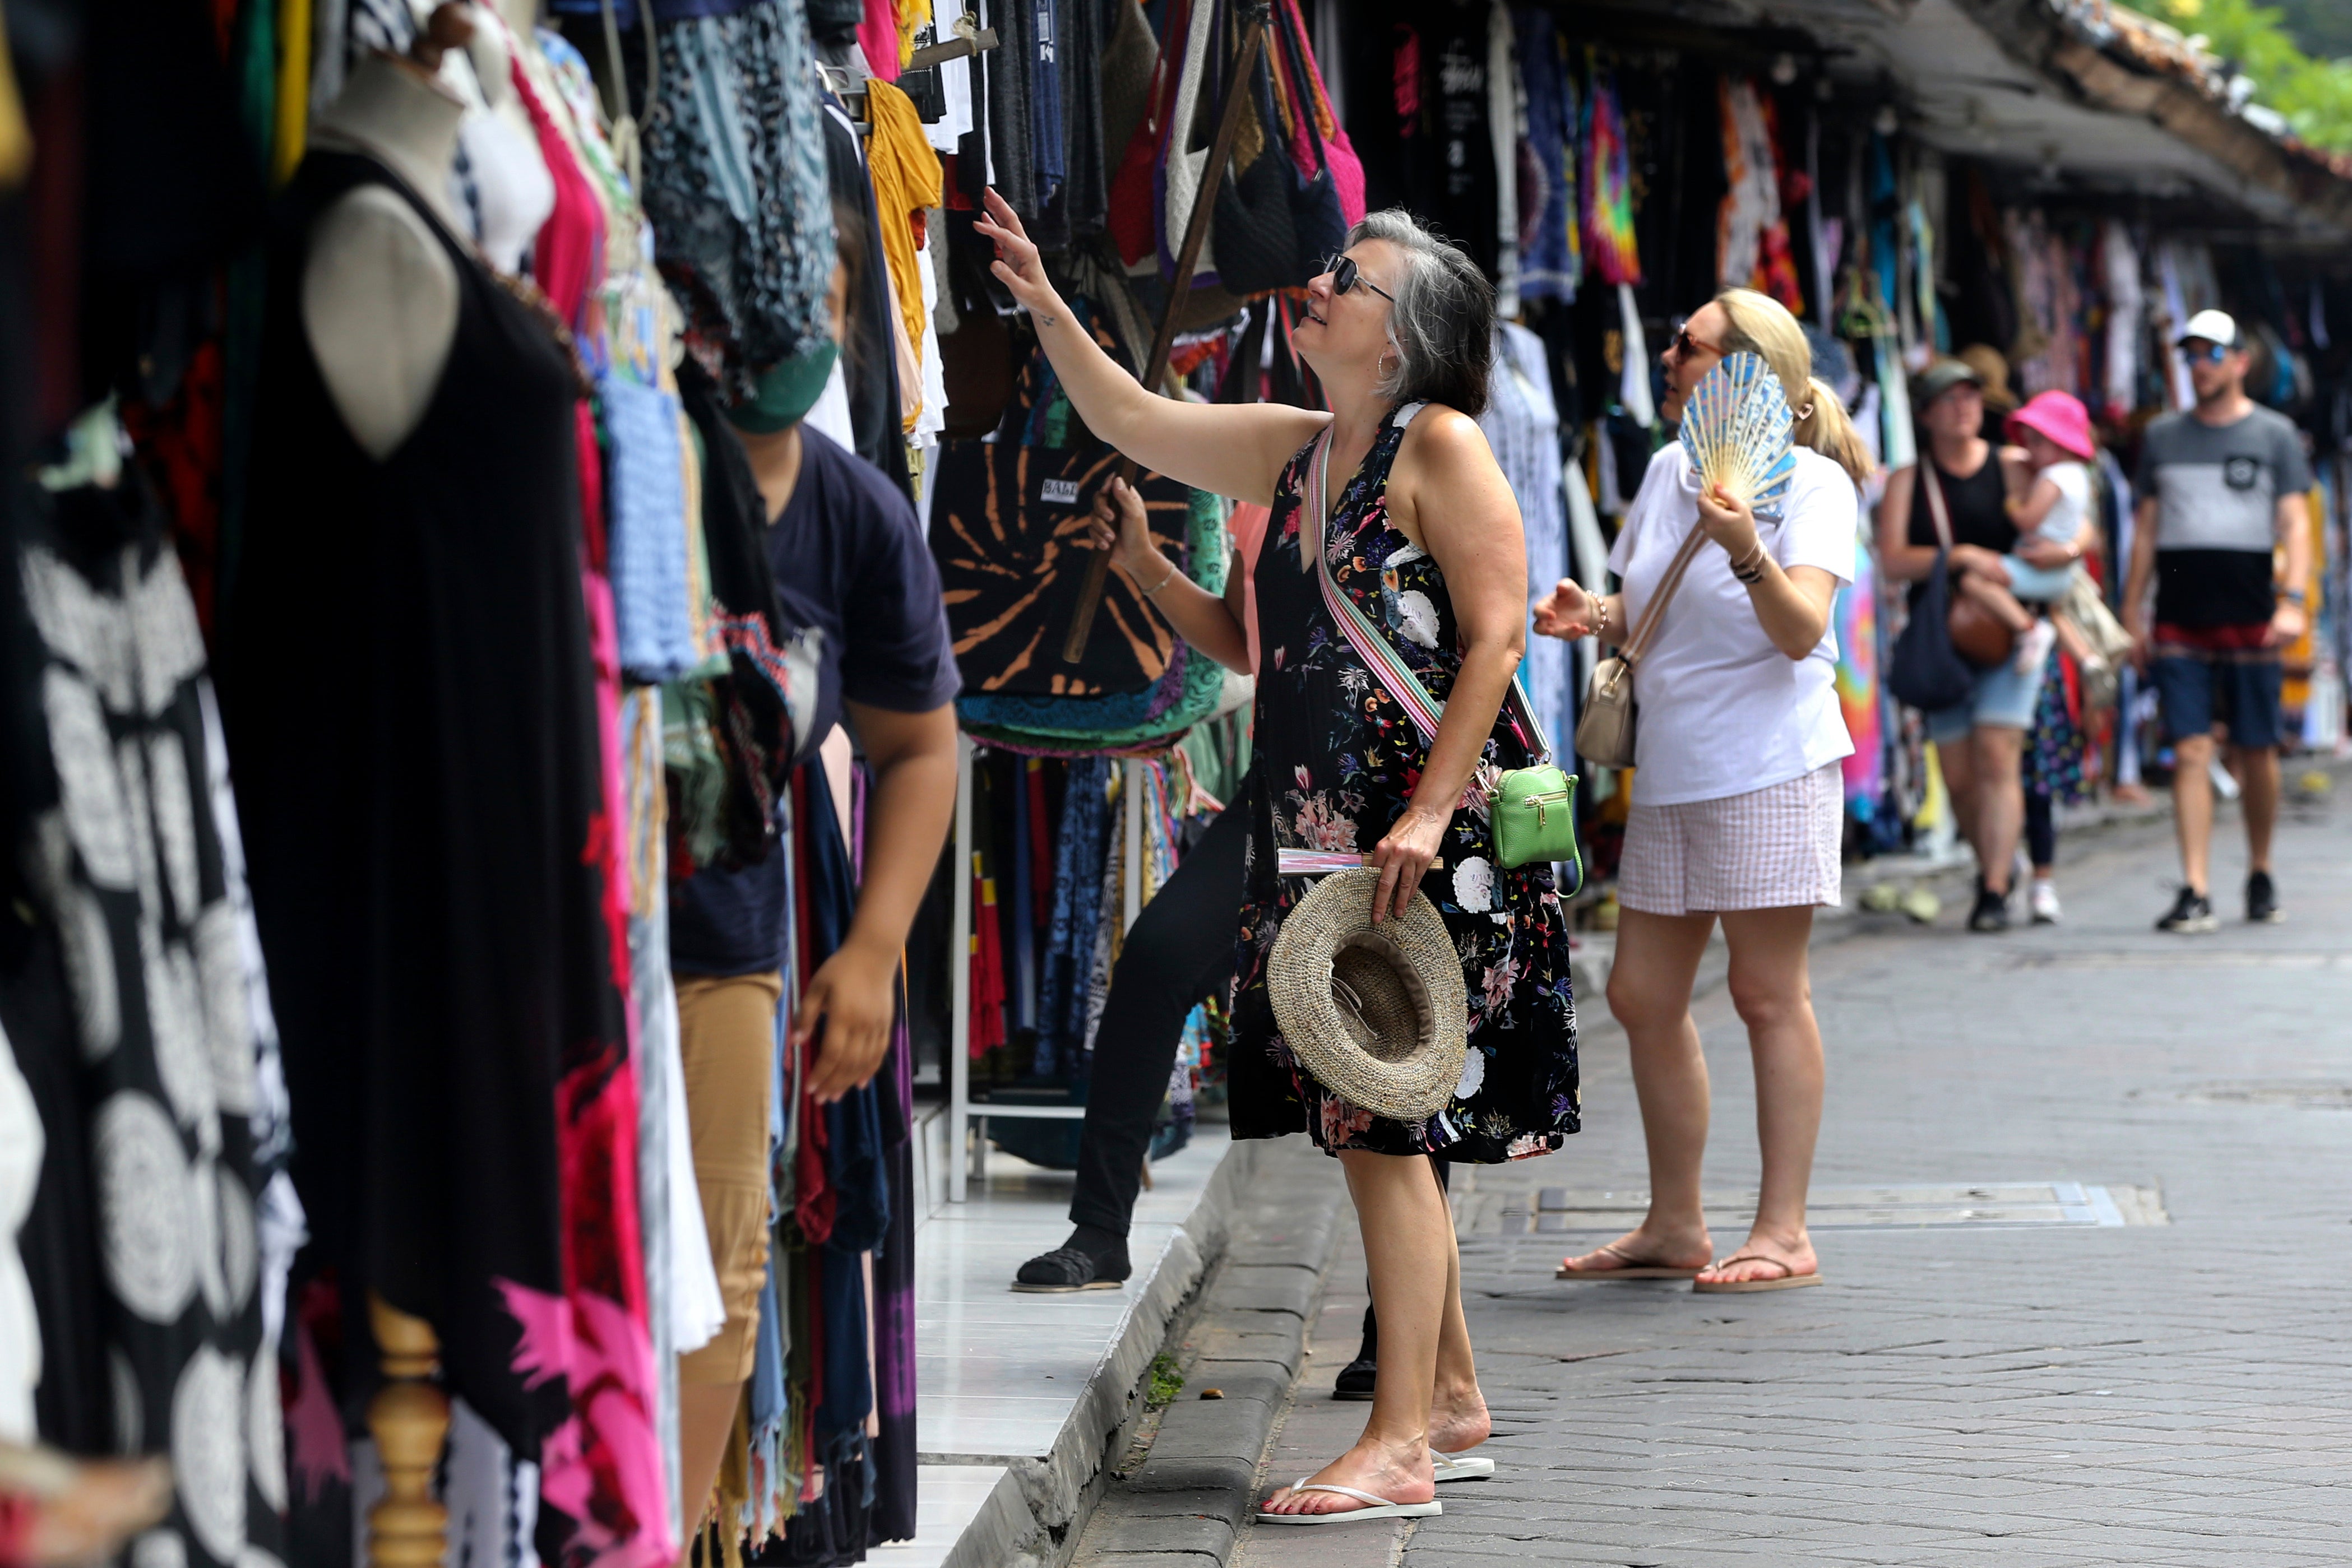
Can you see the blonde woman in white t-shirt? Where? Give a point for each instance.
(1737, 804)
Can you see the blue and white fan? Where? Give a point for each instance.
(1738, 428)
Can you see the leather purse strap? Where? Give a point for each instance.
(1633, 647)
(1931, 480)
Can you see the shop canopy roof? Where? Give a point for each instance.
(2088, 95)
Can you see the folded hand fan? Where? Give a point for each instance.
(1737, 428)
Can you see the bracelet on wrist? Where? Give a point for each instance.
(1600, 626)
(1165, 579)
(2294, 596)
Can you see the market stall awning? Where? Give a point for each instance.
(2094, 96)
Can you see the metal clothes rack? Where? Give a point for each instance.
(968, 1154)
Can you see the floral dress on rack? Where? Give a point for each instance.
(1338, 758)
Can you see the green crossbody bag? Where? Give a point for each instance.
(1532, 809)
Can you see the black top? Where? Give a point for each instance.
(846, 540)
(1978, 506)
(411, 703)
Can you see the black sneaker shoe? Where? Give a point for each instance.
(2190, 912)
(1992, 912)
(1075, 1266)
(2262, 901)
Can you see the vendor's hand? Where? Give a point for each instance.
(1728, 521)
(1981, 561)
(2047, 555)
(2286, 624)
(1570, 614)
(1119, 526)
(1017, 265)
(1403, 858)
(855, 995)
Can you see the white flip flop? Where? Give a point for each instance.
(1461, 1466)
(1375, 1506)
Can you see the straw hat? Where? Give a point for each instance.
(1991, 367)
(1377, 1013)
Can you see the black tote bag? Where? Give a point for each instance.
(1924, 670)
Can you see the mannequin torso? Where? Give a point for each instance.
(379, 291)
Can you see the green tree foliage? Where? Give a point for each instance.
(2315, 94)
(2322, 27)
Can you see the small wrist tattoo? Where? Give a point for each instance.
(1047, 320)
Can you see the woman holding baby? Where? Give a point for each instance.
(2018, 519)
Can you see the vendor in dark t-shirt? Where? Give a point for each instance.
(2223, 487)
(859, 600)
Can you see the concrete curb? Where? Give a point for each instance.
(1184, 1506)
(1036, 1511)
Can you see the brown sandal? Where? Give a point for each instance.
(1634, 1268)
(1787, 1279)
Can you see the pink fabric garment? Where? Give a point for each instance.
(603, 1467)
(878, 37)
(1247, 526)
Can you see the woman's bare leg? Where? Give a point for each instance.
(1408, 1238)
(1771, 986)
(1649, 991)
(1457, 1411)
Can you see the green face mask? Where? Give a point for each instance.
(788, 390)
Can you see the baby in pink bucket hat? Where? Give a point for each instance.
(2050, 500)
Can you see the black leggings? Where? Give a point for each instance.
(2040, 830)
(1180, 949)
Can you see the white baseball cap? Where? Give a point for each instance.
(2214, 326)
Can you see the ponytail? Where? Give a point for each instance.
(1829, 429)
(1761, 325)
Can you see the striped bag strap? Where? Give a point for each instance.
(1380, 655)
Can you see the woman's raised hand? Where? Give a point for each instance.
(1017, 264)
(1570, 614)
(1119, 524)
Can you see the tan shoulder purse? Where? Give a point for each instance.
(1604, 729)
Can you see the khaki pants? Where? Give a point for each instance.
(726, 1036)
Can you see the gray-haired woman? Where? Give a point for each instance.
(1423, 536)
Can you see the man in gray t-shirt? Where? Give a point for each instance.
(2223, 487)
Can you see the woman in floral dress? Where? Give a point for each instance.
(1424, 536)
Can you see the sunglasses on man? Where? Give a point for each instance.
(2206, 353)
(1346, 275)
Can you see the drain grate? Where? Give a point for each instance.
(2300, 1093)
(2192, 958)
(1560, 1209)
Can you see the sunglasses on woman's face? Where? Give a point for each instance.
(2209, 354)
(1684, 345)
(1346, 275)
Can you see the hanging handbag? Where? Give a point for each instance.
(1978, 636)
(1316, 218)
(1605, 726)
(1533, 808)
(1337, 153)
(1257, 241)
(2089, 631)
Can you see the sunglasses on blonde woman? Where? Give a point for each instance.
(1346, 275)
(1684, 345)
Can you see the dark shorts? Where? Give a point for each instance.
(2196, 686)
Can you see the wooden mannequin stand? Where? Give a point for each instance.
(410, 1418)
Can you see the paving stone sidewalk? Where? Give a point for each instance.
(2033, 1396)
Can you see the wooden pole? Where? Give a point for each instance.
(410, 1419)
(1252, 14)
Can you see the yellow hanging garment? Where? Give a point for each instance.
(906, 182)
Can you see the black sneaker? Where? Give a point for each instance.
(2192, 911)
(1076, 1267)
(2262, 901)
(1358, 1377)
(1992, 912)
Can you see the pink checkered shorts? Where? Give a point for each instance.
(1768, 849)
